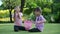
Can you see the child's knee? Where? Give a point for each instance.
(16, 28)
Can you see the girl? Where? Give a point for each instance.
(40, 20)
(18, 19)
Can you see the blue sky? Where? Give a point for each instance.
(0, 2)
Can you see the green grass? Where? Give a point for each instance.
(49, 29)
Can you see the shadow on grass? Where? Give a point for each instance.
(6, 22)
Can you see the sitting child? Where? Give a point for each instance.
(40, 20)
(17, 19)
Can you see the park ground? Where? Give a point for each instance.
(50, 28)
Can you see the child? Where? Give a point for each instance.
(28, 24)
(18, 19)
(39, 23)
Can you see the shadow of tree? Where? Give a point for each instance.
(6, 22)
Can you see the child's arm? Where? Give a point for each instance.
(19, 16)
(42, 21)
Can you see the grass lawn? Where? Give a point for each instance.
(49, 29)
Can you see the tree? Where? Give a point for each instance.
(56, 10)
(31, 4)
(22, 5)
(10, 4)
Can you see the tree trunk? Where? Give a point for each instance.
(10, 15)
(22, 5)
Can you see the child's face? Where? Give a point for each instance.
(37, 13)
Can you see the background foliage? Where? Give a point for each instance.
(50, 9)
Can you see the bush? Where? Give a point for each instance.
(57, 17)
(28, 11)
(47, 10)
(4, 13)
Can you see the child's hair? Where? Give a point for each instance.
(20, 9)
(17, 7)
(38, 9)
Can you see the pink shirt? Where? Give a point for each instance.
(18, 22)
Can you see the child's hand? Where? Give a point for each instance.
(19, 16)
(39, 22)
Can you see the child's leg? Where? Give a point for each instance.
(34, 30)
(16, 28)
(21, 28)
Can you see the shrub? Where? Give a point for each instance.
(4, 13)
